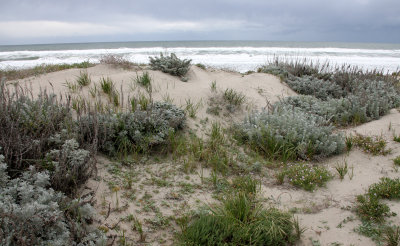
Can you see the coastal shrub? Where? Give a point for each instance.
(289, 134)
(33, 214)
(240, 220)
(170, 64)
(306, 176)
(26, 125)
(117, 62)
(354, 109)
(132, 131)
(69, 166)
(295, 67)
(322, 89)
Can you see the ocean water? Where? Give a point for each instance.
(236, 55)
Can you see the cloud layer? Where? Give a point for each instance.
(25, 21)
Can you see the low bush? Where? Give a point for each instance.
(386, 189)
(370, 208)
(128, 132)
(322, 89)
(33, 214)
(170, 64)
(117, 61)
(289, 134)
(306, 176)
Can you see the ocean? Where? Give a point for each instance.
(241, 56)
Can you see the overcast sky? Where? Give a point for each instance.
(55, 21)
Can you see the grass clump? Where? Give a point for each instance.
(233, 97)
(396, 138)
(143, 80)
(306, 176)
(107, 85)
(239, 220)
(83, 79)
(289, 135)
(170, 64)
(375, 145)
(192, 108)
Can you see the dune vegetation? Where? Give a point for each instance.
(105, 162)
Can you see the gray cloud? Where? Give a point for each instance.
(24, 21)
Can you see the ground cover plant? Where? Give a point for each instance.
(373, 212)
(305, 176)
(171, 64)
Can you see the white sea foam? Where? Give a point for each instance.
(237, 58)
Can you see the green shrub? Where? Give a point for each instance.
(170, 64)
(289, 134)
(307, 176)
(240, 220)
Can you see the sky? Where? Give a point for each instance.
(66, 21)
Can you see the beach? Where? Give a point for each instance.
(162, 189)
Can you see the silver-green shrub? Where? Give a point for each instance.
(291, 134)
(309, 85)
(69, 165)
(140, 130)
(170, 64)
(370, 100)
(33, 214)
